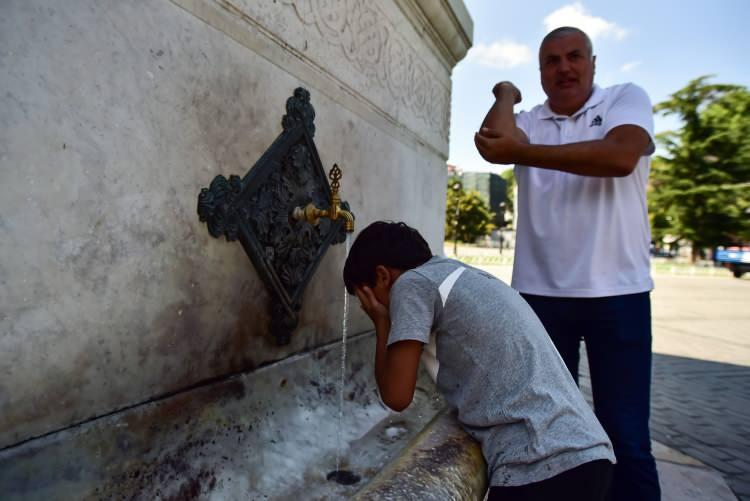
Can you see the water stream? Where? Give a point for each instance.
(342, 382)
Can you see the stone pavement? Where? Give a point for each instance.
(683, 478)
(701, 384)
(700, 403)
(701, 381)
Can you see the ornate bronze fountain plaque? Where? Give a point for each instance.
(256, 209)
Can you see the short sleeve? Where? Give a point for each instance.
(412, 308)
(631, 106)
(523, 122)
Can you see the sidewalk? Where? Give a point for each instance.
(683, 478)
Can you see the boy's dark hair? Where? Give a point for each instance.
(383, 243)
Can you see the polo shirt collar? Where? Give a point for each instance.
(597, 96)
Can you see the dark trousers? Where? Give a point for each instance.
(587, 482)
(617, 333)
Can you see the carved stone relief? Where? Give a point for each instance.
(384, 66)
(377, 50)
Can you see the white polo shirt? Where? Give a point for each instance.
(580, 236)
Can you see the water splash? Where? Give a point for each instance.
(344, 326)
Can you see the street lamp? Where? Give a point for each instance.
(501, 207)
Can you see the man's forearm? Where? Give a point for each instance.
(500, 117)
(588, 158)
(615, 155)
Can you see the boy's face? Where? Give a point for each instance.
(385, 276)
(382, 288)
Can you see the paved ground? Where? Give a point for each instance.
(701, 372)
(701, 384)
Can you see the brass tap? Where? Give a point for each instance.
(312, 214)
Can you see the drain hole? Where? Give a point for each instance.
(343, 477)
(396, 431)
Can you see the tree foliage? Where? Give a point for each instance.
(700, 190)
(472, 220)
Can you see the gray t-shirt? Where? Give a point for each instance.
(500, 370)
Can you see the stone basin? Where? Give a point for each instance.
(268, 434)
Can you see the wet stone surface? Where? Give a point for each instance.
(269, 434)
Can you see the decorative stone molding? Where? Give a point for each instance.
(377, 50)
(385, 61)
(451, 24)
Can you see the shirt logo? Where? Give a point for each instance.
(596, 121)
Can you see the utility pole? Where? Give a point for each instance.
(456, 196)
(501, 207)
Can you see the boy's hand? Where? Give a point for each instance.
(377, 311)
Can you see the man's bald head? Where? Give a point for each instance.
(565, 31)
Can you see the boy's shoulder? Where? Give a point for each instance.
(420, 277)
(430, 274)
(434, 278)
(435, 269)
(439, 268)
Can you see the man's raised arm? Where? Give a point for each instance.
(500, 141)
(500, 117)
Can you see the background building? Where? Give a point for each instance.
(491, 188)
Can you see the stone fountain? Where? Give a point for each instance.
(140, 357)
(271, 433)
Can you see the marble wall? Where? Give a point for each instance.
(113, 116)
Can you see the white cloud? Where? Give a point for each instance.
(575, 15)
(630, 66)
(502, 54)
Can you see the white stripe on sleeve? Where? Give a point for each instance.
(448, 283)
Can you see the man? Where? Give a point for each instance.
(583, 236)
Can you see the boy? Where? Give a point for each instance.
(497, 365)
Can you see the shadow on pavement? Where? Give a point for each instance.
(702, 409)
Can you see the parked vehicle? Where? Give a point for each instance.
(736, 258)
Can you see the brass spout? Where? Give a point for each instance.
(348, 220)
(312, 214)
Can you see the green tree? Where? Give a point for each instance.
(467, 216)
(700, 190)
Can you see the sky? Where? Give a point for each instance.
(658, 44)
